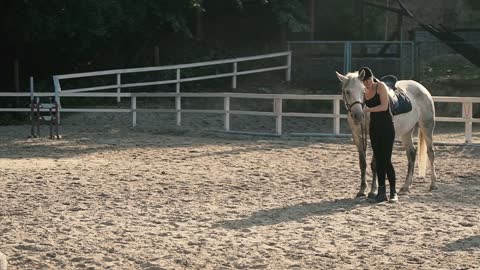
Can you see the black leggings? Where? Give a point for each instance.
(382, 138)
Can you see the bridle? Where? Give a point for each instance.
(363, 127)
(349, 106)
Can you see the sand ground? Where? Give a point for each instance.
(117, 198)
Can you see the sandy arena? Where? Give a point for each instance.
(111, 198)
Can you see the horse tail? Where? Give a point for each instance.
(422, 153)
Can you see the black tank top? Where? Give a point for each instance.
(384, 117)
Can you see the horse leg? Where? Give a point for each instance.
(363, 167)
(411, 155)
(428, 136)
(373, 190)
(358, 139)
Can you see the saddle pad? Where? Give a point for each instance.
(399, 101)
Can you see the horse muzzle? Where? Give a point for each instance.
(357, 114)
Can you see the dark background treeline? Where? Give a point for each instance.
(43, 38)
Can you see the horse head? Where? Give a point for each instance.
(353, 92)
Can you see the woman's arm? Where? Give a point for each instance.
(382, 92)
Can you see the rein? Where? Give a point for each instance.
(363, 127)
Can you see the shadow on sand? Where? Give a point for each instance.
(469, 243)
(293, 213)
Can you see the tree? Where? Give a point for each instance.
(60, 36)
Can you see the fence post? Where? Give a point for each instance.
(133, 109)
(119, 83)
(336, 115)
(277, 109)
(413, 59)
(288, 75)
(58, 89)
(234, 78)
(32, 90)
(347, 57)
(226, 107)
(178, 100)
(32, 109)
(467, 116)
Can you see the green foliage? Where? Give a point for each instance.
(102, 34)
(475, 4)
(67, 36)
(290, 13)
(449, 67)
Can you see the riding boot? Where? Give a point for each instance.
(381, 195)
(393, 198)
(393, 191)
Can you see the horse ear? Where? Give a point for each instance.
(361, 76)
(341, 77)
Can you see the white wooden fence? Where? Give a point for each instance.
(277, 99)
(178, 80)
(277, 113)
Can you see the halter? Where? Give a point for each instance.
(363, 128)
(349, 106)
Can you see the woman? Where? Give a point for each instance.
(382, 133)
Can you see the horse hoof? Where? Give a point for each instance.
(372, 195)
(360, 195)
(404, 190)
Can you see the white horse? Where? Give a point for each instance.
(422, 114)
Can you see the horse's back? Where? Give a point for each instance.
(414, 89)
(422, 106)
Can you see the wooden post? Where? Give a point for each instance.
(57, 114)
(32, 108)
(288, 72)
(226, 107)
(312, 19)
(16, 78)
(58, 89)
(467, 116)
(119, 88)
(178, 100)
(386, 21)
(362, 20)
(347, 57)
(336, 115)
(133, 109)
(234, 77)
(32, 89)
(37, 116)
(277, 108)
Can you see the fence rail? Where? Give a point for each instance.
(118, 85)
(277, 99)
(277, 113)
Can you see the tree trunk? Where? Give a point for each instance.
(199, 19)
(312, 19)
